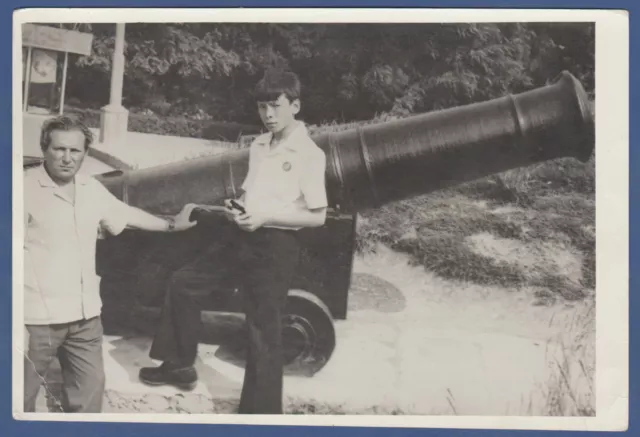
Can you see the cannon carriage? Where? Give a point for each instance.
(367, 167)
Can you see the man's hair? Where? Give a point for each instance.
(64, 123)
(276, 83)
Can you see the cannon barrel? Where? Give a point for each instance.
(371, 165)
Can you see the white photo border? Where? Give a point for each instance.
(612, 209)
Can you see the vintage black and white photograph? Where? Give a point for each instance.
(307, 218)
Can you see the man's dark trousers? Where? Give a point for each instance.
(261, 264)
(78, 346)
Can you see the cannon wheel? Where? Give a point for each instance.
(308, 333)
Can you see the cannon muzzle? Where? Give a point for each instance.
(372, 165)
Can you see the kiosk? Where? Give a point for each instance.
(41, 49)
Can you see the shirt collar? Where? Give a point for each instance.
(46, 181)
(293, 142)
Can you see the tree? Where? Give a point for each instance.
(349, 71)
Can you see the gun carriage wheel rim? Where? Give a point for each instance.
(308, 334)
(299, 338)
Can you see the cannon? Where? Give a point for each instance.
(367, 167)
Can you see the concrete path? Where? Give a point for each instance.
(139, 151)
(390, 364)
(149, 150)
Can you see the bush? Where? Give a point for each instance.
(91, 117)
(188, 127)
(176, 126)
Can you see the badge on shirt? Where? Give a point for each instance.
(286, 166)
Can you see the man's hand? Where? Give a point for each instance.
(250, 222)
(182, 221)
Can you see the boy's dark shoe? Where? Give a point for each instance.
(184, 378)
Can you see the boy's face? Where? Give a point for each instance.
(278, 114)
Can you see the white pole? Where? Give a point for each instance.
(114, 117)
(27, 80)
(117, 73)
(64, 81)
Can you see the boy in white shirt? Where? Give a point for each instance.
(284, 191)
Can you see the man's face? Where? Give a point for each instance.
(65, 154)
(278, 114)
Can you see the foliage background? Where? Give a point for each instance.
(180, 78)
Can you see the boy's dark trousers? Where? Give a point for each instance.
(261, 264)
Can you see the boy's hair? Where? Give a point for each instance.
(275, 83)
(64, 123)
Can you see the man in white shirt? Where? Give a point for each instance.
(63, 213)
(284, 191)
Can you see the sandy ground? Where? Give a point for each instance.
(412, 343)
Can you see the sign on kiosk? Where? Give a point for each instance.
(61, 40)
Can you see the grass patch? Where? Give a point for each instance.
(569, 390)
(526, 185)
(569, 205)
(576, 228)
(555, 285)
(450, 257)
(435, 214)
(551, 203)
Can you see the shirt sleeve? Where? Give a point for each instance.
(312, 182)
(251, 172)
(27, 199)
(114, 212)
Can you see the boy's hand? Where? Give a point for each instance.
(230, 212)
(250, 222)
